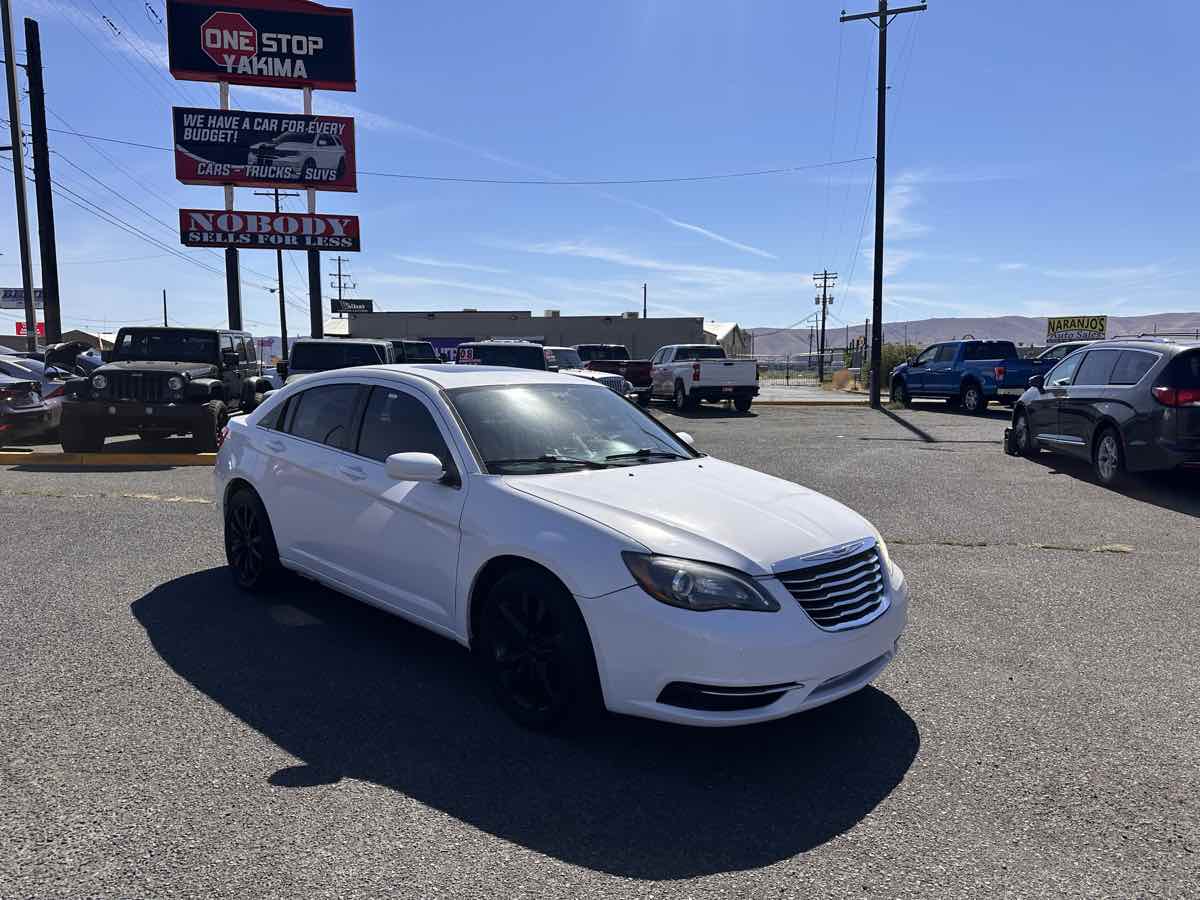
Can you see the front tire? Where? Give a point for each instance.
(1023, 438)
(900, 394)
(207, 436)
(972, 400)
(75, 437)
(250, 547)
(1108, 459)
(536, 651)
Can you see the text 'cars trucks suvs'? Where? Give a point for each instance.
(590, 556)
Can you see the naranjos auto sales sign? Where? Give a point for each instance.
(260, 149)
(267, 230)
(1076, 328)
(276, 43)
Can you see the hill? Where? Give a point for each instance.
(1022, 330)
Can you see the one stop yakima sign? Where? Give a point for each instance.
(228, 37)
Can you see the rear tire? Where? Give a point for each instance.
(972, 399)
(250, 547)
(75, 437)
(207, 436)
(536, 651)
(682, 401)
(742, 404)
(1108, 459)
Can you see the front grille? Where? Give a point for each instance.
(612, 382)
(842, 593)
(144, 387)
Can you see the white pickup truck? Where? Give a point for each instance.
(691, 373)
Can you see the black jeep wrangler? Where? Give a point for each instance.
(156, 382)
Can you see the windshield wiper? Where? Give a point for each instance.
(549, 458)
(647, 453)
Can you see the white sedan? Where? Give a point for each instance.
(589, 555)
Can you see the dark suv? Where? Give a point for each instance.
(414, 351)
(157, 382)
(514, 354)
(1123, 405)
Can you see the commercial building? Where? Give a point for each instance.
(446, 330)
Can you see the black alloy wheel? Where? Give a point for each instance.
(250, 543)
(1025, 443)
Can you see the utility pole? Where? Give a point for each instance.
(882, 19)
(279, 272)
(644, 314)
(823, 280)
(164, 309)
(339, 280)
(233, 277)
(52, 308)
(18, 163)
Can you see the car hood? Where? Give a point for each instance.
(705, 509)
(190, 369)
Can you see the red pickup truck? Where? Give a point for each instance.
(615, 358)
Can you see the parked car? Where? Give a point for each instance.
(615, 358)
(311, 355)
(156, 382)
(49, 384)
(1124, 406)
(589, 556)
(24, 413)
(1055, 352)
(969, 374)
(414, 352)
(567, 361)
(689, 374)
(511, 354)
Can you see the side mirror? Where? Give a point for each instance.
(686, 438)
(1038, 381)
(282, 368)
(910, 362)
(414, 467)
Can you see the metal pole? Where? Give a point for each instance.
(316, 322)
(164, 307)
(644, 314)
(880, 174)
(233, 280)
(18, 159)
(52, 309)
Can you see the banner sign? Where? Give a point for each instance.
(267, 230)
(259, 149)
(274, 43)
(1076, 328)
(41, 329)
(347, 305)
(14, 298)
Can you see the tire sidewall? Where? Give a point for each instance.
(1119, 469)
(268, 577)
(679, 398)
(968, 391)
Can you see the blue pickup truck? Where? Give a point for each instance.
(969, 374)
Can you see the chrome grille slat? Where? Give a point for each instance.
(840, 594)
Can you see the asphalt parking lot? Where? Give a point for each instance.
(1039, 734)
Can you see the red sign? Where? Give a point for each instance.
(41, 328)
(267, 230)
(228, 36)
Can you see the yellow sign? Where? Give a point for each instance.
(1076, 328)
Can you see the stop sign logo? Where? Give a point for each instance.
(228, 37)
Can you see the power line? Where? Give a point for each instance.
(117, 31)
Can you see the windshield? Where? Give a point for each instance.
(514, 356)
(700, 353)
(166, 346)
(322, 357)
(536, 428)
(614, 352)
(564, 358)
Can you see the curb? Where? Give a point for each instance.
(45, 458)
(843, 403)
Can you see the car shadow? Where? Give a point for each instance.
(1174, 490)
(703, 411)
(355, 693)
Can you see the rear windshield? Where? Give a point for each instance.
(700, 353)
(166, 346)
(991, 350)
(514, 356)
(587, 354)
(419, 350)
(335, 355)
(1184, 370)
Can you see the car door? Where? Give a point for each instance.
(660, 373)
(308, 485)
(941, 378)
(1042, 407)
(403, 536)
(916, 374)
(1079, 407)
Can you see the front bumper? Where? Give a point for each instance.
(127, 416)
(644, 647)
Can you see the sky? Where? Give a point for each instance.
(1042, 159)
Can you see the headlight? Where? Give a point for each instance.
(696, 585)
(99, 382)
(175, 383)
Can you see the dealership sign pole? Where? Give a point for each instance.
(270, 43)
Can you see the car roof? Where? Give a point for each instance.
(501, 342)
(337, 340)
(457, 375)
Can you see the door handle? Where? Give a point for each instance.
(354, 473)
(277, 446)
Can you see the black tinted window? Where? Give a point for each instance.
(274, 419)
(1184, 371)
(590, 353)
(166, 346)
(946, 353)
(419, 350)
(927, 356)
(1096, 366)
(514, 356)
(396, 422)
(324, 414)
(1131, 366)
(335, 355)
(991, 350)
(700, 353)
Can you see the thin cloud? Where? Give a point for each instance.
(448, 264)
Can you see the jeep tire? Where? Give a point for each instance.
(213, 417)
(76, 437)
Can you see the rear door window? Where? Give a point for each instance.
(1131, 366)
(1096, 367)
(325, 414)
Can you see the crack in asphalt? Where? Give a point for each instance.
(62, 495)
(978, 545)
